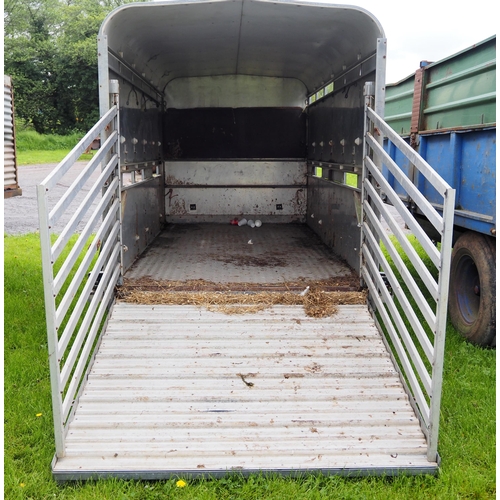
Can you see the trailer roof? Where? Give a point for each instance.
(309, 41)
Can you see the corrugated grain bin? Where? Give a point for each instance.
(10, 179)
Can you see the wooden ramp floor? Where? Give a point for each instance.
(179, 390)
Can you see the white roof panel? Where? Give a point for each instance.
(303, 40)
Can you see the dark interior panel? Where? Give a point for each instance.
(335, 127)
(203, 133)
(141, 130)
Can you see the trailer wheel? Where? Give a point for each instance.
(472, 300)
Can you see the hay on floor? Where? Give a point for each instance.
(317, 302)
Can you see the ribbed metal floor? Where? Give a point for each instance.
(182, 390)
(219, 253)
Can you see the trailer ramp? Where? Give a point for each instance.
(181, 390)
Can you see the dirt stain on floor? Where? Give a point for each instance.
(251, 260)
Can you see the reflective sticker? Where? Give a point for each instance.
(318, 172)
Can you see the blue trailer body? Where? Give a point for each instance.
(466, 159)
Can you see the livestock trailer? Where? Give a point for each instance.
(446, 111)
(182, 341)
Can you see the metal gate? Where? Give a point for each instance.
(412, 317)
(83, 264)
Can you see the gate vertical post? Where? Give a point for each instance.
(50, 318)
(379, 101)
(369, 92)
(114, 100)
(441, 319)
(374, 93)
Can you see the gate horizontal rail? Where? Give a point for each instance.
(81, 265)
(408, 288)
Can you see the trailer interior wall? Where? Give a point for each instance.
(235, 146)
(335, 148)
(215, 118)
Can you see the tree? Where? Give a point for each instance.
(50, 50)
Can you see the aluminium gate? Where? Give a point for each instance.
(83, 264)
(412, 318)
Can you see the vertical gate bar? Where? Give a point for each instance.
(379, 103)
(441, 317)
(374, 98)
(114, 97)
(103, 71)
(50, 315)
(368, 93)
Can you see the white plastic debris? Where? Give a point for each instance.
(250, 242)
(258, 223)
(304, 291)
(242, 222)
(251, 223)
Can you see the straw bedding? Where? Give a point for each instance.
(317, 297)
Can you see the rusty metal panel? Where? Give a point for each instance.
(182, 390)
(10, 180)
(282, 204)
(217, 191)
(417, 101)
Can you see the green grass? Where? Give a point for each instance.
(29, 140)
(467, 437)
(38, 157)
(33, 148)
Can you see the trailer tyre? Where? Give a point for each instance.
(472, 300)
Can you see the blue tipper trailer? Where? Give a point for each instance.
(447, 112)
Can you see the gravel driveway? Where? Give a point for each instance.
(21, 212)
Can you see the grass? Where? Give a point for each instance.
(33, 148)
(38, 157)
(467, 437)
(29, 140)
